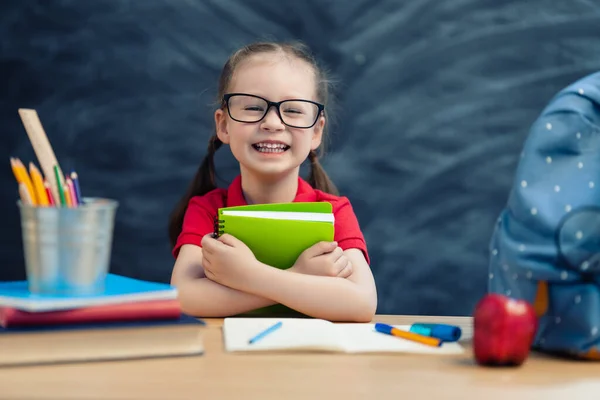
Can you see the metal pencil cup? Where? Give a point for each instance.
(67, 251)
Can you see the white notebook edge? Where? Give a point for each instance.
(285, 215)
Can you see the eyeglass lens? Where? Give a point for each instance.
(296, 113)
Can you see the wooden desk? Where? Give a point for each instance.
(218, 375)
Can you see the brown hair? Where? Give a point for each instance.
(204, 180)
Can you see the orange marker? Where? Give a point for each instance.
(415, 337)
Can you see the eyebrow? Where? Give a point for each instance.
(296, 97)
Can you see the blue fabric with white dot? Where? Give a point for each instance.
(550, 228)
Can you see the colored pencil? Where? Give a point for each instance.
(22, 176)
(72, 194)
(38, 185)
(24, 194)
(76, 186)
(67, 195)
(26, 179)
(59, 187)
(49, 194)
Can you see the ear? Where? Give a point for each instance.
(317, 136)
(221, 125)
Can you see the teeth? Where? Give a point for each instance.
(271, 147)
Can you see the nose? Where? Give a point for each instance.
(272, 121)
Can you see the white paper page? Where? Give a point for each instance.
(467, 334)
(294, 334)
(288, 215)
(362, 338)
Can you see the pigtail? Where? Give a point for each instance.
(318, 178)
(204, 181)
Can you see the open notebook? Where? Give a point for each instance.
(300, 334)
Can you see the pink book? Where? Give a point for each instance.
(128, 311)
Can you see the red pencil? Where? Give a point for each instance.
(49, 193)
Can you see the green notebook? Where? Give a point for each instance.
(277, 234)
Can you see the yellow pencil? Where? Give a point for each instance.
(22, 177)
(38, 185)
(26, 199)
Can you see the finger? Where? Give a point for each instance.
(340, 262)
(320, 248)
(217, 245)
(229, 240)
(336, 254)
(347, 270)
(207, 249)
(206, 263)
(208, 237)
(209, 275)
(208, 243)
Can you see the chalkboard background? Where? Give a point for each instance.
(434, 101)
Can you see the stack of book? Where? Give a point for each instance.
(131, 319)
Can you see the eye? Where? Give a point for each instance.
(253, 108)
(293, 111)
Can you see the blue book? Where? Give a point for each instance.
(118, 289)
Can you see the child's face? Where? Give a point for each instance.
(269, 148)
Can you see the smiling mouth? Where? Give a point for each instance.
(271, 147)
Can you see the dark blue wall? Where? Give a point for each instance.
(435, 99)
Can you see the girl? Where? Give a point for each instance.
(272, 116)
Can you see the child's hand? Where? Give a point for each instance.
(227, 261)
(323, 259)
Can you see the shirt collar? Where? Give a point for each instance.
(235, 196)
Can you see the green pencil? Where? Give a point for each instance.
(59, 188)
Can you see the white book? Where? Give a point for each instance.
(305, 334)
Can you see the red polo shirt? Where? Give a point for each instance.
(202, 210)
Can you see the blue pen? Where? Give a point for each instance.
(446, 333)
(265, 332)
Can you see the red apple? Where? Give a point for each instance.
(503, 331)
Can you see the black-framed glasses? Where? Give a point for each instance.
(295, 113)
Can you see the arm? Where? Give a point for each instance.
(332, 298)
(201, 297)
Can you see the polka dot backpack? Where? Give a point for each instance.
(545, 247)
